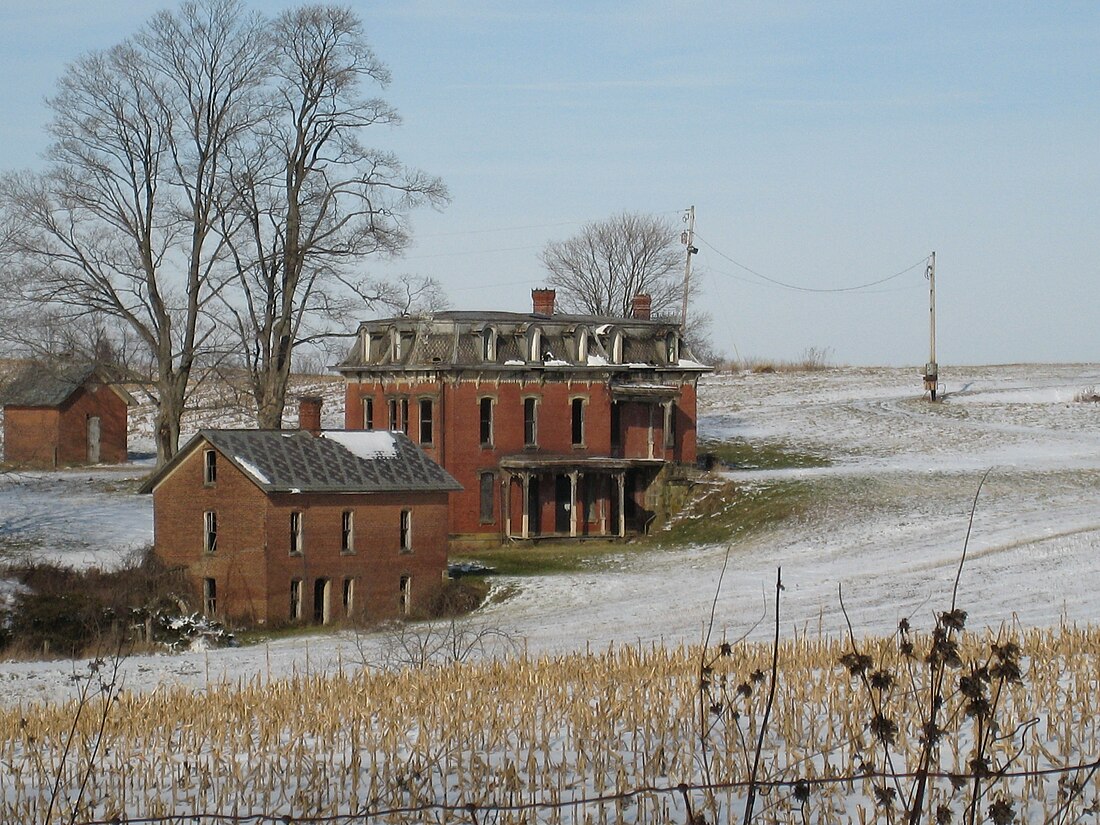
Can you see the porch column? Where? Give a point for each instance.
(508, 478)
(573, 505)
(526, 478)
(620, 490)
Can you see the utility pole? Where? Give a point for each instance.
(688, 239)
(931, 369)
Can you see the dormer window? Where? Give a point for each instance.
(364, 345)
(395, 346)
(534, 341)
(489, 344)
(617, 347)
(672, 348)
(581, 339)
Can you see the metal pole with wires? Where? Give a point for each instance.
(931, 369)
(687, 237)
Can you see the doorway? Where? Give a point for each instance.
(321, 589)
(93, 439)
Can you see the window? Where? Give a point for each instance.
(395, 423)
(395, 345)
(364, 337)
(295, 599)
(578, 422)
(581, 337)
(406, 531)
(488, 494)
(486, 422)
(348, 596)
(297, 544)
(534, 343)
(209, 597)
(530, 422)
(672, 348)
(488, 344)
(426, 420)
(347, 532)
(368, 413)
(670, 424)
(405, 416)
(209, 467)
(616, 424)
(405, 595)
(210, 531)
(617, 347)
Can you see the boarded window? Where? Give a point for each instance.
(578, 422)
(530, 422)
(297, 538)
(406, 531)
(486, 422)
(488, 495)
(347, 532)
(210, 531)
(368, 413)
(426, 410)
(209, 466)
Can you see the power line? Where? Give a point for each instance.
(798, 288)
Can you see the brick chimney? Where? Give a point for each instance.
(641, 307)
(543, 301)
(309, 413)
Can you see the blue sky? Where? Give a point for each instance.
(824, 145)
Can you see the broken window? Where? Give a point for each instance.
(368, 413)
(210, 531)
(488, 344)
(209, 597)
(209, 466)
(295, 599)
(486, 422)
(578, 422)
(530, 422)
(405, 596)
(297, 543)
(348, 596)
(406, 531)
(347, 532)
(426, 420)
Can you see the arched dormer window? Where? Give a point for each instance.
(364, 345)
(534, 344)
(395, 345)
(580, 336)
(672, 348)
(616, 346)
(488, 344)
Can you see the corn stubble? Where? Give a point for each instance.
(550, 731)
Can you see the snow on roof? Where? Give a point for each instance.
(251, 469)
(368, 444)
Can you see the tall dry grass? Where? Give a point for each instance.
(543, 732)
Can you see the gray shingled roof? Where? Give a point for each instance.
(335, 461)
(37, 387)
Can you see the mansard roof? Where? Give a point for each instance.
(513, 340)
(336, 461)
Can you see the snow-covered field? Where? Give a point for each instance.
(887, 521)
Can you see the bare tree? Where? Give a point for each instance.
(122, 221)
(599, 270)
(309, 200)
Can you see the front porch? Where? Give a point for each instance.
(566, 497)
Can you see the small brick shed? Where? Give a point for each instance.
(68, 416)
(275, 526)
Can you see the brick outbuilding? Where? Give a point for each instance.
(298, 526)
(75, 415)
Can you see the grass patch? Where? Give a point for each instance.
(730, 511)
(547, 558)
(740, 454)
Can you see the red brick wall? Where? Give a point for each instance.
(456, 442)
(55, 436)
(252, 564)
(30, 436)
